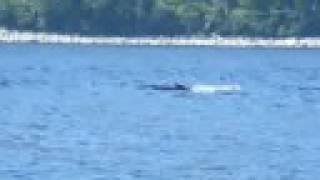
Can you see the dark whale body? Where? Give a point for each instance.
(166, 87)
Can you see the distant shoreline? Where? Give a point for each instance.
(7, 36)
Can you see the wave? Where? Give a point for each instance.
(205, 88)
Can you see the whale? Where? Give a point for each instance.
(197, 88)
(167, 87)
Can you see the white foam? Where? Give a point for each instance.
(202, 88)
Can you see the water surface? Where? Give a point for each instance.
(76, 112)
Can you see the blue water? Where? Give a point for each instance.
(76, 113)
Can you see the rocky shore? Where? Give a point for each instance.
(236, 42)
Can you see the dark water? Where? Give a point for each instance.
(75, 112)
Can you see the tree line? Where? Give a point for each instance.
(263, 18)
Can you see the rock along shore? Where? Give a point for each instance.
(7, 36)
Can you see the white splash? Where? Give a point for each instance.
(202, 88)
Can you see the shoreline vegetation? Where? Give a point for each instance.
(249, 18)
(11, 36)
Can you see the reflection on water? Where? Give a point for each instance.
(70, 112)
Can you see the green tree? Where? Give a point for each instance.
(165, 17)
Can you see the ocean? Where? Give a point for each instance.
(78, 113)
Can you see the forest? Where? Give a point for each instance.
(252, 18)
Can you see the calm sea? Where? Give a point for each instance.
(77, 113)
